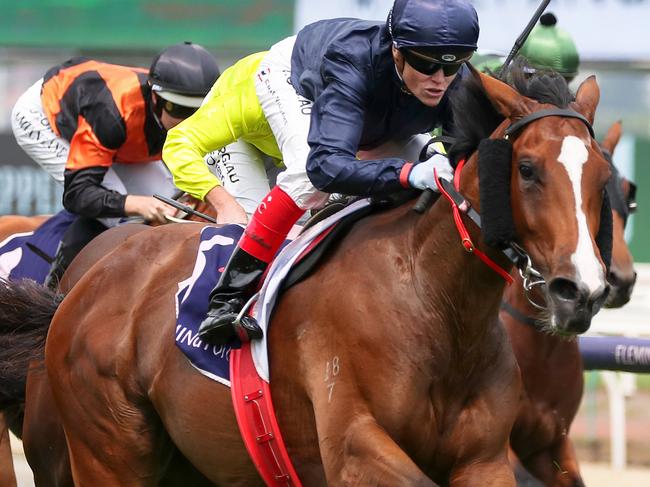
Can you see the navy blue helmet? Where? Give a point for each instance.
(435, 25)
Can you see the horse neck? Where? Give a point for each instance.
(462, 292)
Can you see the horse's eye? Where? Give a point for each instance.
(526, 171)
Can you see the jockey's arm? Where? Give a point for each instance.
(84, 192)
(336, 127)
(87, 164)
(216, 124)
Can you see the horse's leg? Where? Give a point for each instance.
(369, 457)
(114, 437)
(113, 441)
(198, 415)
(484, 474)
(355, 449)
(43, 436)
(7, 475)
(556, 466)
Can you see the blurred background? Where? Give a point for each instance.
(612, 37)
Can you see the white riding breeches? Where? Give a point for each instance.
(241, 168)
(288, 115)
(35, 135)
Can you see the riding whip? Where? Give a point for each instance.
(521, 40)
(187, 209)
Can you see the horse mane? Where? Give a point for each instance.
(475, 118)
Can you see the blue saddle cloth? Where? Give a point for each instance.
(216, 244)
(215, 247)
(19, 261)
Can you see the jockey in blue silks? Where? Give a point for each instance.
(339, 87)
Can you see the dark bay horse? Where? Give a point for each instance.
(551, 365)
(426, 385)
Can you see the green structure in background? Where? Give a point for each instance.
(547, 48)
(248, 25)
(640, 240)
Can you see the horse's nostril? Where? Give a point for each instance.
(564, 289)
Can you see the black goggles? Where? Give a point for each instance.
(428, 66)
(177, 111)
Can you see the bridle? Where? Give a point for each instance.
(513, 251)
(519, 124)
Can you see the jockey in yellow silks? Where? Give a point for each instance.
(232, 130)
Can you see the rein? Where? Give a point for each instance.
(460, 204)
(513, 252)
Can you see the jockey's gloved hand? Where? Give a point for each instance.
(422, 176)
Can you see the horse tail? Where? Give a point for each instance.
(26, 309)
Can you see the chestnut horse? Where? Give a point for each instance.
(551, 365)
(41, 431)
(426, 386)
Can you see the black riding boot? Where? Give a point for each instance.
(236, 285)
(57, 269)
(75, 238)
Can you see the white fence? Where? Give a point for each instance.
(632, 320)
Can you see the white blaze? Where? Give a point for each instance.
(573, 155)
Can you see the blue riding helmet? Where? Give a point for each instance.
(434, 24)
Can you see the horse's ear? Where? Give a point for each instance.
(612, 137)
(504, 98)
(588, 97)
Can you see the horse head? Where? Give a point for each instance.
(622, 197)
(557, 176)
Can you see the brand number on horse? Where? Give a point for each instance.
(332, 369)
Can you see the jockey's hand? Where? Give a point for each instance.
(422, 176)
(148, 207)
(228, 210)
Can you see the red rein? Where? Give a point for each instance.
(466, 241)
